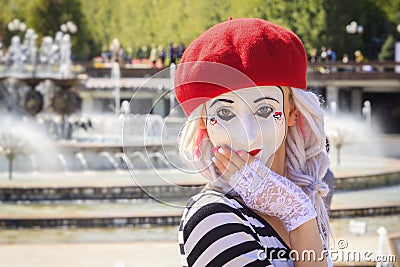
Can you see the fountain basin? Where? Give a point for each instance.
(142, 212)
(358, 172)
(160, 219)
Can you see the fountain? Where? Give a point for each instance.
(52, 62)
(93, 144)
(11, 147)
(45, 82)
(345, 130)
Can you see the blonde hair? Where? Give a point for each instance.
(187, 145)
(306, 158)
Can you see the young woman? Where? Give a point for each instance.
(258, 137)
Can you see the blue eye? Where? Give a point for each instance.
(225, 114)
(264, 111)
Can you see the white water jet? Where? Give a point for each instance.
(63, 161)
(82, 160)
(142, 159)
(34, 163)
(115, 77)
(124, 159)
(41, 148)
(109, 158)
(157, 156)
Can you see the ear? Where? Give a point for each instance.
(293, 114)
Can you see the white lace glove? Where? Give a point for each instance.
(268, 192)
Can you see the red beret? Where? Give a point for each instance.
(236, 54)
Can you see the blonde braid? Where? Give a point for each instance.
(306, 158)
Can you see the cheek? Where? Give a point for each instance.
(273, 132)
(279, 119)
(279, 132)
(220, 132)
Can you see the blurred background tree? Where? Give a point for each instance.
(46, 17)
(138, 23)
(387, 51)
(10, 10)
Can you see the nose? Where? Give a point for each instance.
(251, 131)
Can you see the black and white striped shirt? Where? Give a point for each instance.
(218, 230)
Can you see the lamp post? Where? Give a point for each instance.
(16, 25)
(354, 28)
(69, 27)
(397, 52)
(63, 40)
(17, 47)
(15, 28)
(64, 36)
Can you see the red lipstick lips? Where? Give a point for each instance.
(254, 152)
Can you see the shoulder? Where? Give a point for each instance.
(211, 207)
(215, 231)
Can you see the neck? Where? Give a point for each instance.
(277, 162)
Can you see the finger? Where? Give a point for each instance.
(229, 166)
(232, 156)
(218, 166)
(216, 170)
(245, 156)
(222, 169)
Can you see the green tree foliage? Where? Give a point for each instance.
(48, 15)
(387, 52)
(391, 8)
(138, 23)
(366, 13)
(10, 10)
(308, 19)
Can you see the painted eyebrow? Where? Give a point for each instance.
(262, 98)
(222, 100)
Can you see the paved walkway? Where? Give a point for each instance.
(146, 254)
(149, 254)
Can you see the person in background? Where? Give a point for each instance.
(324, 55)
(172, 53)
(358, 56)
(181, 50)
(161, 57)
(331, 55)
(314, 55)
(153, 55)
(345, 58)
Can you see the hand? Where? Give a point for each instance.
(264, 190)
(229, 162)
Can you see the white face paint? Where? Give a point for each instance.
(250, 120)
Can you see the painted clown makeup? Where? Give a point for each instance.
(250, 120)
